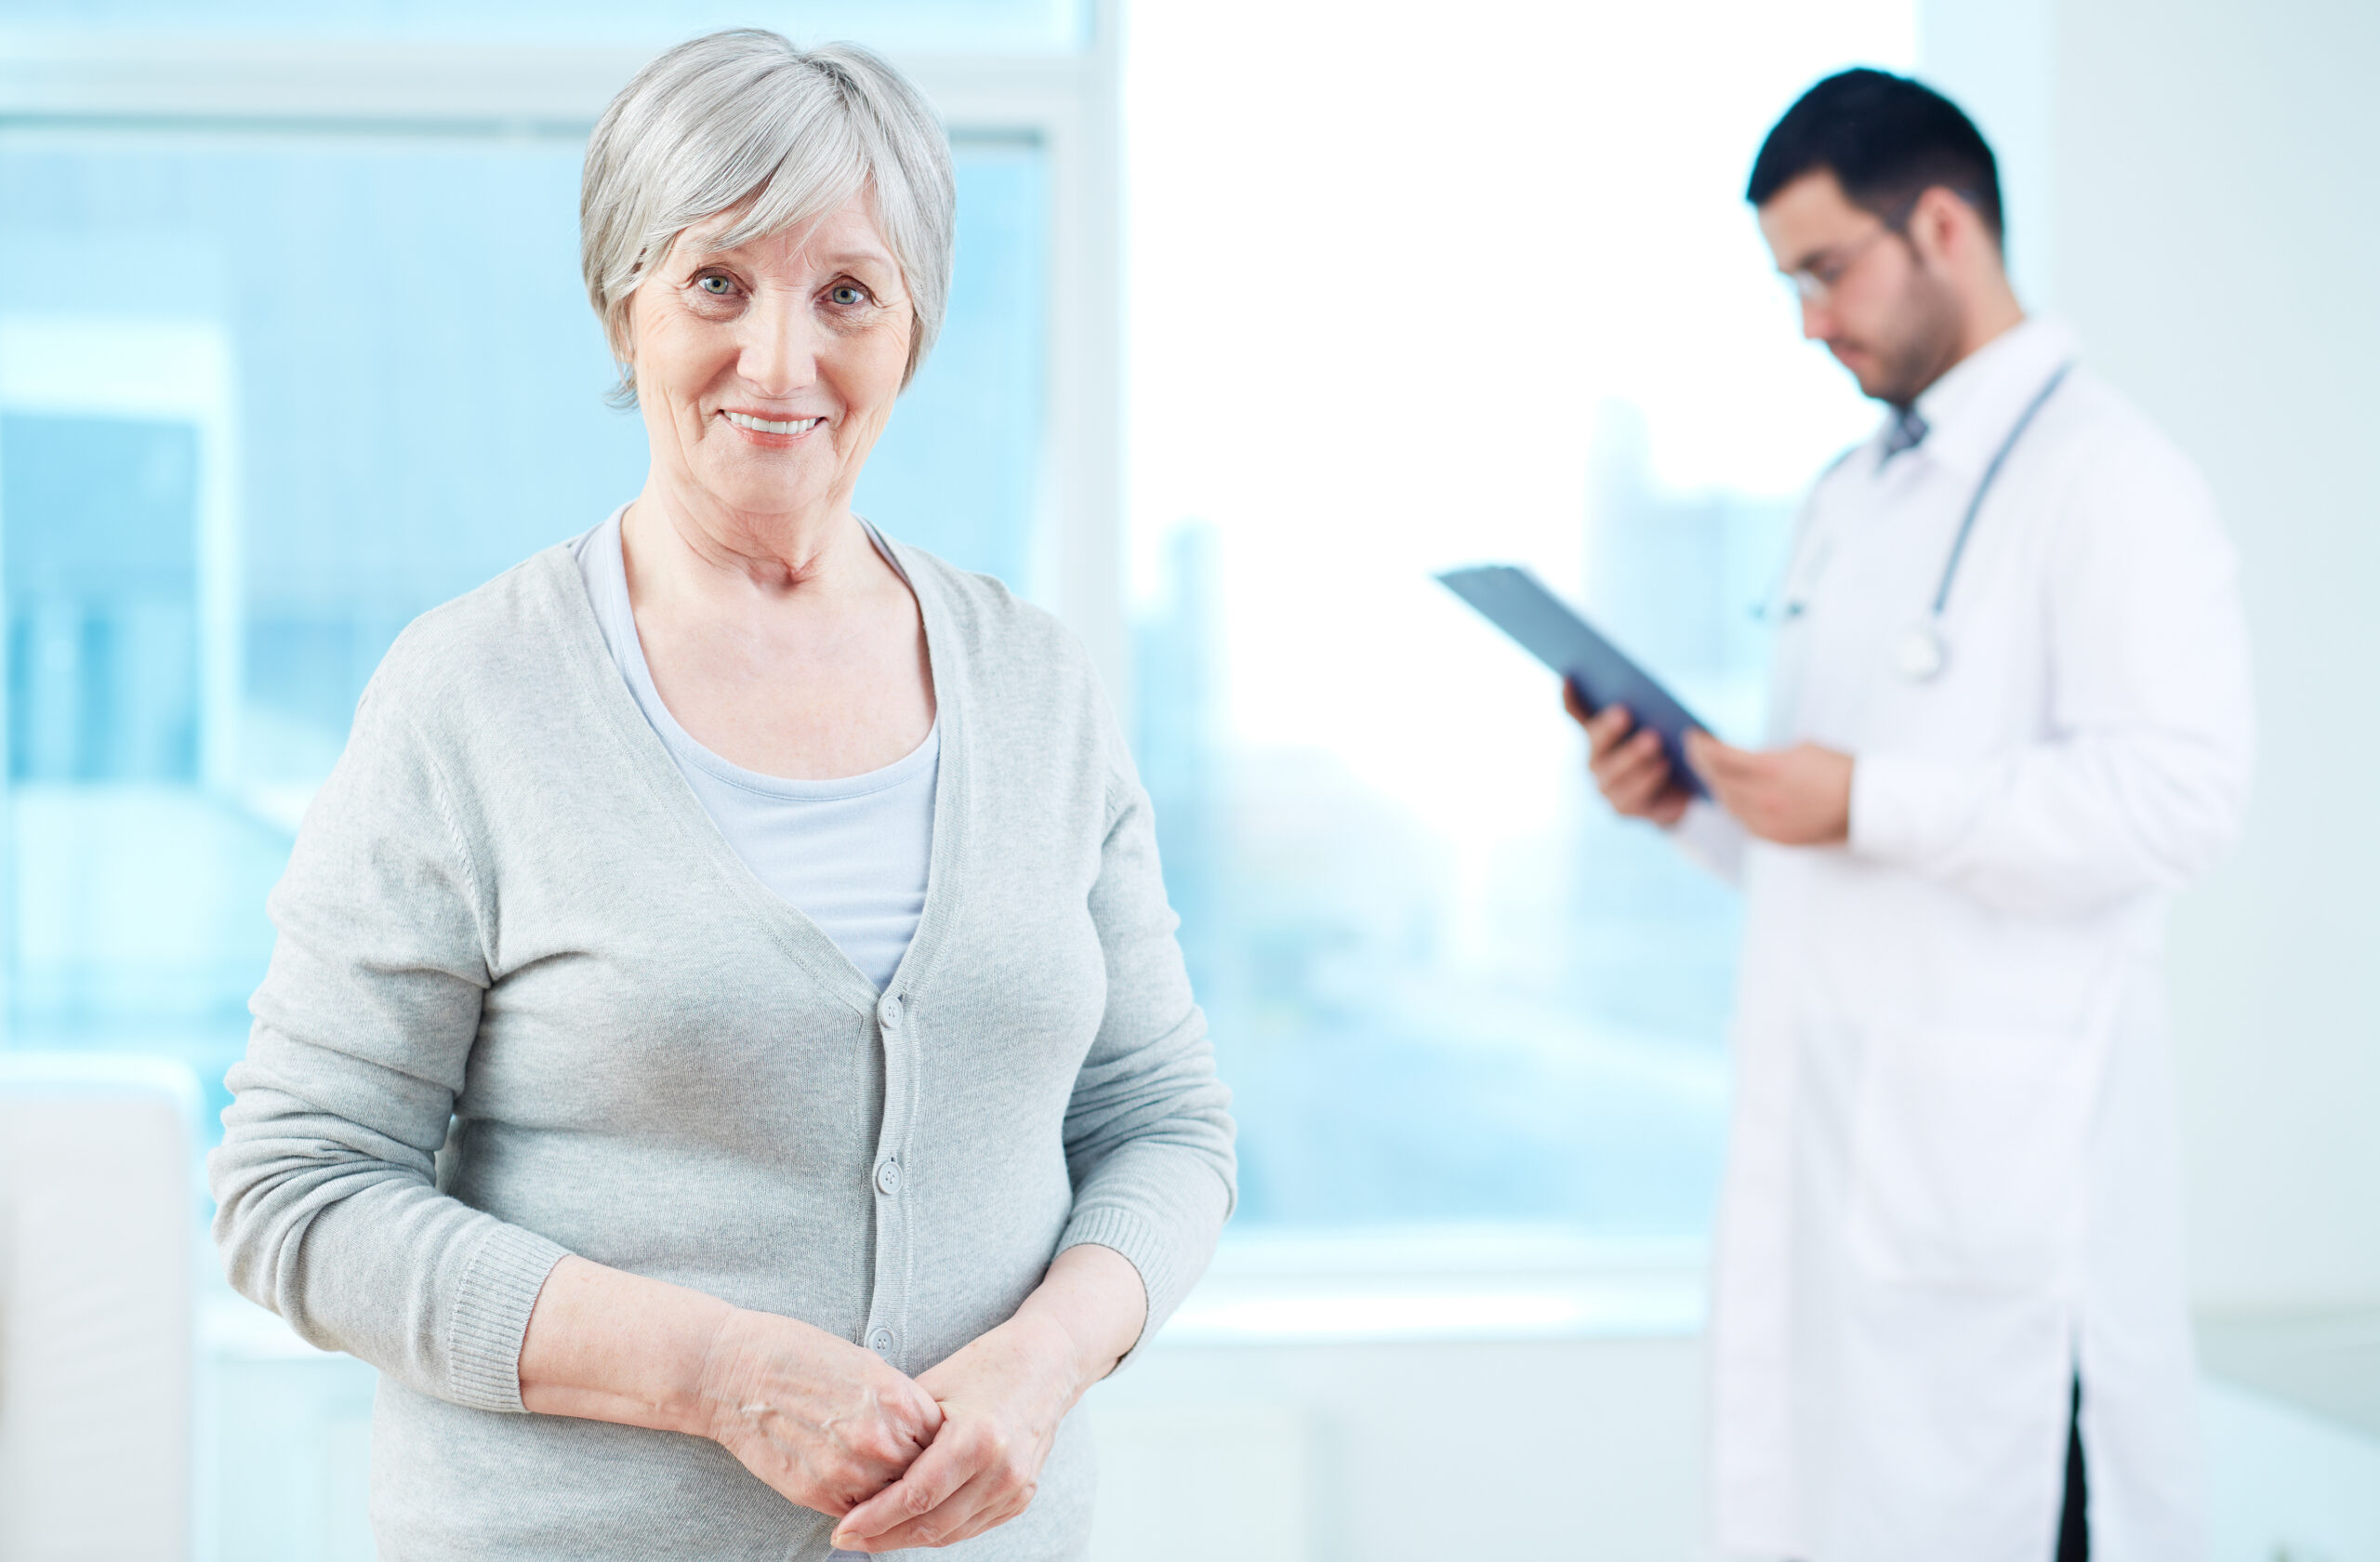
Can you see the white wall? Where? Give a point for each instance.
(2213, 222)
(94, 1298)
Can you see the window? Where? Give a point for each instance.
(1427, 296)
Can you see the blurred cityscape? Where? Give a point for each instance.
(1378, 1079)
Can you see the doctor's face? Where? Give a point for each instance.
(1885, 310)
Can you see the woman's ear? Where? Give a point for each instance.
(619, 334)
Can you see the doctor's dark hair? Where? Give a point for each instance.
(1887, 141)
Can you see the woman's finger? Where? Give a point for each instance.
(987, 1499)
(940, 1470)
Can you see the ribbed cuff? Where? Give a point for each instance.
(1169, 1262)
(492, 1307)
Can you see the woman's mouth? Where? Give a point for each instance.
(772, 426)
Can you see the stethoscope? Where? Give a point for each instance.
(1925, 650)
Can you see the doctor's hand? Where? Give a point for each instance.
(1627, 762)
(1795, 796)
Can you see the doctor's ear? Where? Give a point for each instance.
(1947, 232)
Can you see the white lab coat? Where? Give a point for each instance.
(1954, 1172)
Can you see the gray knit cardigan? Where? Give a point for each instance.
(526, 1001)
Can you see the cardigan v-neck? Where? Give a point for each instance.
(528, 1001)
(624, 721)
(851, 852)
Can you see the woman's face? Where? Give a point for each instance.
(766, 372)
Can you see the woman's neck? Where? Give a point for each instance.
(705, 551)
(794, 650)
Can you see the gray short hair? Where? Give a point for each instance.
(743, 118)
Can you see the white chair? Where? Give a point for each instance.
(96, 1230)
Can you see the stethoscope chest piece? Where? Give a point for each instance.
(1922, 654)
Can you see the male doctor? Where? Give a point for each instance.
(2011, 718)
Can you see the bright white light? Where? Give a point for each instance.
(1610, 1306)
(1383, 266)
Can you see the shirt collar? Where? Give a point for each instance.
(1969, 411)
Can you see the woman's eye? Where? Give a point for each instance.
(716, 285)
(845, 293)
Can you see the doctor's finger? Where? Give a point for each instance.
(1633, 786)
(1712, 760)
(1731, 787)
(1623, 763)
(1663, 802)
(1607, 728)
(1625, 754)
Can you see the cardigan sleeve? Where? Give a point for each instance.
(1148, 1129)
(329, 1211)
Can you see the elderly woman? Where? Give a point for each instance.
(726, 1060)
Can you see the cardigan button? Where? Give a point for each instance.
(888, 1175)
(879, 1339)
(888, 1013)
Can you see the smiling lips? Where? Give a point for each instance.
(766, 426)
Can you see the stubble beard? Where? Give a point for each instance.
(1924, 344)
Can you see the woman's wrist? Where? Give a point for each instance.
(716, 1394)
(1063, 1359)
(1092, 1306)
(607, 1345)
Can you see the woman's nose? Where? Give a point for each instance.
(780, 351)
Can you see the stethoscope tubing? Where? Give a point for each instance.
(1990, 475)
(1788, 607)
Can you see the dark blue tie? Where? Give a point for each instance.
(1908, 432)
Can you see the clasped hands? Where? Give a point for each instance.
(1799, 795)
(896, 1462)
(900, 1461)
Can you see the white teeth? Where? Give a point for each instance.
(763, 426)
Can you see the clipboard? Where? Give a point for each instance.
(1518, 604)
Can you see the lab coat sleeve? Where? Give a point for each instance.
(2142, 780)
(1711, 839)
